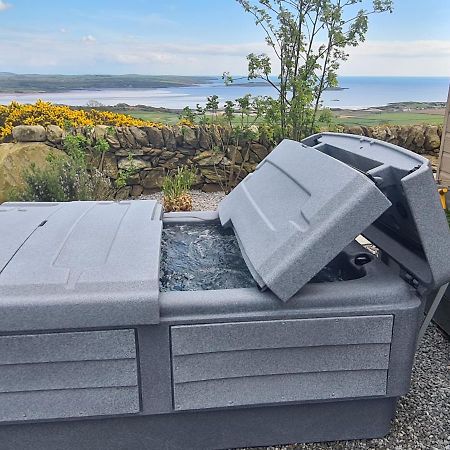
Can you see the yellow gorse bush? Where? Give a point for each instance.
(46, 113)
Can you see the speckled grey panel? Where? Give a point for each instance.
(62, 375)
(296, 212)
(22, 222)
(89, 264)
(248, 363)
(414, 230)
(210, 429)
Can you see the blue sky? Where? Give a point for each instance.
(198, 37)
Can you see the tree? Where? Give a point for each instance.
(310, 39)
(94, 104)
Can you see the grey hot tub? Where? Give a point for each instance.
(312, 339)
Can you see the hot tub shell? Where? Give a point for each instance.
(93, 355)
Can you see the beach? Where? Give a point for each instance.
(355, 93)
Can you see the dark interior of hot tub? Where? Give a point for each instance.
(207, 256)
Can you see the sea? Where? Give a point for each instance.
(355, 93)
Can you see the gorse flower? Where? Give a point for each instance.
(46, 113)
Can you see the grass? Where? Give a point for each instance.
(393, 118)
(152, 116)
(341, 118)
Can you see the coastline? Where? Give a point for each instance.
(176, 92)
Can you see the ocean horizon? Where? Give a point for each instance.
(357, 92)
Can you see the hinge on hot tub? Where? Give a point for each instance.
(411, 280)
(414, 169)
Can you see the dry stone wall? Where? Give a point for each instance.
(152, 152)
(422, 139)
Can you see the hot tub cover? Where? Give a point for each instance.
(79, 264)
(296, 212)
(414, 230)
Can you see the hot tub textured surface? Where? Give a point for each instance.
(247, 363)
(79, 264)
(290, 222)
(413, 231)
(62, 375)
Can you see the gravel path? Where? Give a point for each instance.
(423, 416)
(201, 201)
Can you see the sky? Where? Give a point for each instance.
(199, 37)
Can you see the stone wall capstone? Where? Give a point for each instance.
(153, 151)
(422, 139)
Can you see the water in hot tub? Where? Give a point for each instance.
(202, 257)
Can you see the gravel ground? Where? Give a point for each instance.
(423, 416)
(201, 201)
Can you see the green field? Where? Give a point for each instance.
(152, 116)
(341, 118)
(385, 117)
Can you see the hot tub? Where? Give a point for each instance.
(261, 323)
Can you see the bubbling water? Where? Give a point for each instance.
(203, 257)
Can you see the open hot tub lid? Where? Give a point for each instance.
(296, 212)
(79, 264)
(414, 230)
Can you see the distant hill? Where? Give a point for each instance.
(20, 83)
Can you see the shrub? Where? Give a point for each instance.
(187, 117)
(176, 187)
(125, 174)
(67, 178)
(45, 113)
(63, 180)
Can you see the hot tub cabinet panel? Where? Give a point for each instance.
(216, 429)
(97, 353)
(62, 375)
(248, 363)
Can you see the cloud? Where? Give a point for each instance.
(146, 19)
(24, 52)
(62, 30)
(141, 52)
(89, 38)
(4, 6)
(400, 58)
(405, 49)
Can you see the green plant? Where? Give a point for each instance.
(81, 148)
(187, 114)
(176, 187)
(63, 179)
(126, 173)
(75, 146)
(178, 182)
(309, 39)
(230, 174)
(212, 106)
(69, 178)
(244, 120)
